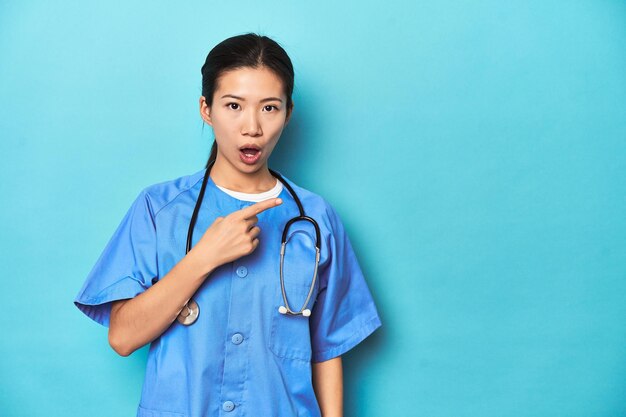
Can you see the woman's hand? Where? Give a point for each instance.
(233, 236)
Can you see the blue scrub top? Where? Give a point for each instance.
(241, 357)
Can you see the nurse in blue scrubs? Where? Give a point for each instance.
(241, 356)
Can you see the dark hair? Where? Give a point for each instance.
(248, 50)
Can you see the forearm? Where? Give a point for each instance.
(137, 321)
(328, 386)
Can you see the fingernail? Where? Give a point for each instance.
(279, 200)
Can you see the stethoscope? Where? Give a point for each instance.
(189, 313)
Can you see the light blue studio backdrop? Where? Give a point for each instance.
(475, 150)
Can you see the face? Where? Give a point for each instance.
(248, 115)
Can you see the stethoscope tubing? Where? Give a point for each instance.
(190, 312)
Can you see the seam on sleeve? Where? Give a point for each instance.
(176, 196)
(364, 331)
(98, 307)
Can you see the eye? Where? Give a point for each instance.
(230, 105)
(269, 108)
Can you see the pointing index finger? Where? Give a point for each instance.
(257, 208)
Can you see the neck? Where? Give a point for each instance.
(228, 176)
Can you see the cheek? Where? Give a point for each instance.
(275, 127)
(223, 126)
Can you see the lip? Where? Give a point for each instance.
(250, 146)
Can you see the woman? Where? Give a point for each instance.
(224, 320)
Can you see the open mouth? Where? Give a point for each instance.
(250, 154)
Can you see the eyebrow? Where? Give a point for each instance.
(243, 99)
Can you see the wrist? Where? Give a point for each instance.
(201, 262)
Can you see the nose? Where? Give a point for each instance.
(252, 125)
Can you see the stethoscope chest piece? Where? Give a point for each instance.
(189, 313)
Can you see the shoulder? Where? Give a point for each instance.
(160, 195)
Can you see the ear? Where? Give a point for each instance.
(205, 111)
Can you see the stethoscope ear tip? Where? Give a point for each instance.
(283, 310)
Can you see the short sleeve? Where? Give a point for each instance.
(126, 267)
(344, 313)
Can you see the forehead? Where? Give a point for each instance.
(250, 82)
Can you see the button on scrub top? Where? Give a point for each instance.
(241, 357)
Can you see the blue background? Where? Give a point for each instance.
(475, 150)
